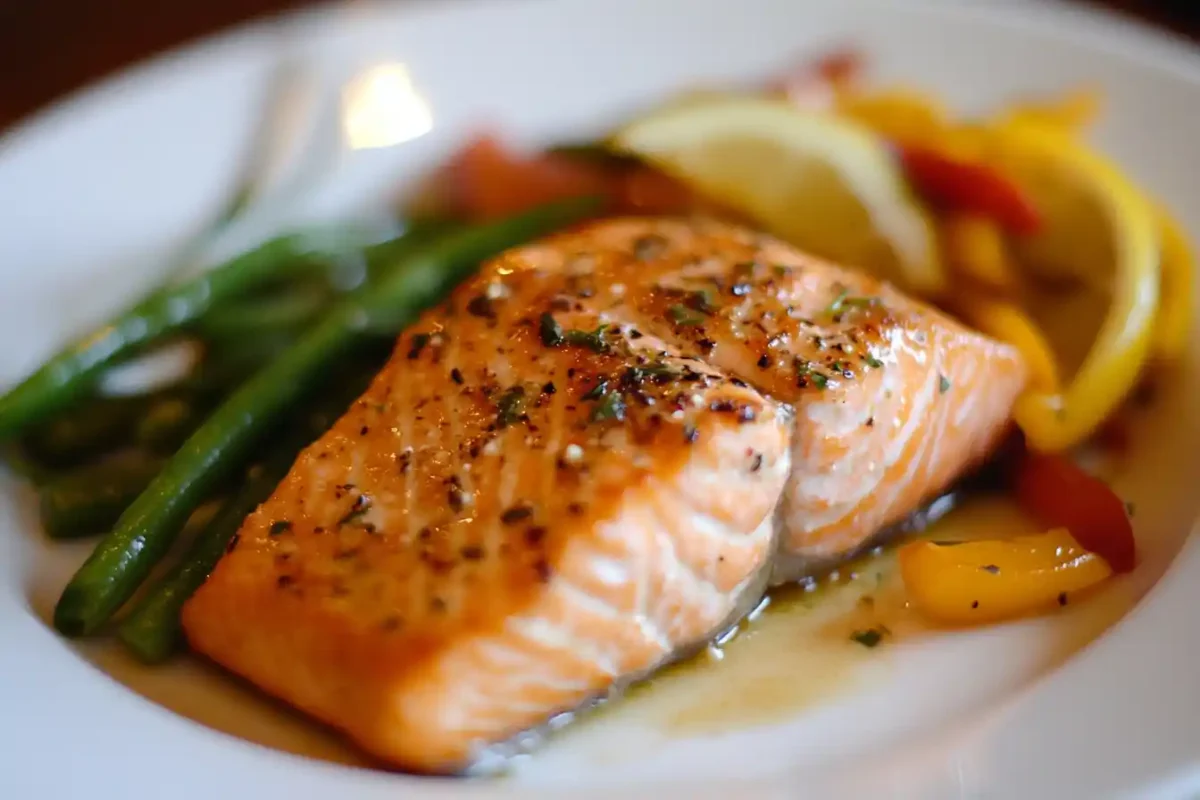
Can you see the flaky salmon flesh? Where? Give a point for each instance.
(589, 461)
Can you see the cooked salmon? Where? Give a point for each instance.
(893, 399)
(523, 511)
(584, 465)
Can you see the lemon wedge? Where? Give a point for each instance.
(1177, 267)
(1098, 231)
(825, 184)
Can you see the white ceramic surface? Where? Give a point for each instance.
(93, 190)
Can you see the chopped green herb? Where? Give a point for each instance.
(552, 332)
(279, 527)
(703, 300)
(870, 637)
(781, 270)
(991, 569)
(510, 406)
(597, 391)
(682, 315)
(843, 301)
(943, 384)
(657, 372)
(593, 340)
(611, 406)
(873, 362)
(806, 375)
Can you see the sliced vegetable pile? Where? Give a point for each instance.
(1011, 222)
(287, 347)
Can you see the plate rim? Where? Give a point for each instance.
(1105, 30)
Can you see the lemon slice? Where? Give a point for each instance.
(825, 184)
(1100, 231)
(1177, 267)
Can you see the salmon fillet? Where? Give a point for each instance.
(893, 399)
(574, 471)
(500, 529)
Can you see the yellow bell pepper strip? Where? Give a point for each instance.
(1007, 322)
(974, 247)
(1056, 421)
(990, 581)
(1071, 112)
(1176, 267)
(904, 116)
(1057, 492)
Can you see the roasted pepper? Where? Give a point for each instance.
(1070, 112)
(990, 581)
(903, 116)
(969, 186)
(1056, 421)
(974, 247)
(491, 180)
(1056, 491)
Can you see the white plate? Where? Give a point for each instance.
(94, 189)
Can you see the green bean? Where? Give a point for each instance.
(69, 375)
(22, 464)
(81, 434)
(379, 259)
(287, 310)
(152, 630)
(221, 445)
(168, 423)
(87, 501)
(286, 307)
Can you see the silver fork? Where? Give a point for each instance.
(276, 123)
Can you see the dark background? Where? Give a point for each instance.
(50, 47)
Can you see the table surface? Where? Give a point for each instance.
(51, 47)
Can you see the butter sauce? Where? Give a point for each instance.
(799, 648)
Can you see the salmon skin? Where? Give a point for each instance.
(583, 466)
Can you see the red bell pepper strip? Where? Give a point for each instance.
(1059, 493)
(487, 180)
(491, 181)
(969, 187)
